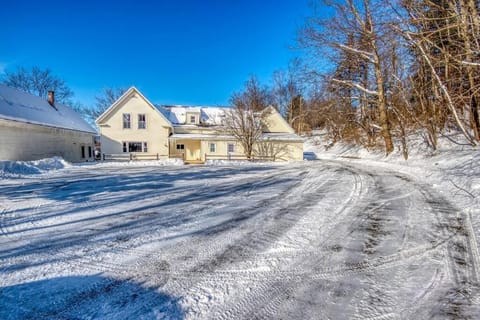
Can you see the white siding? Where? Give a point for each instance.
(24, 142)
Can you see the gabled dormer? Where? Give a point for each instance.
(192, 116)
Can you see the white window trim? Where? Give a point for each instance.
(214, 145)
(129, 122)
(144, 122)
(126, 146)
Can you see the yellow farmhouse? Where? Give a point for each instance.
(135, 128)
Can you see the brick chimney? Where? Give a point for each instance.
(51, 98)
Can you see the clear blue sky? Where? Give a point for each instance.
(175, 52)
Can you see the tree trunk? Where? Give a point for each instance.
(474, 120)
(382, 102)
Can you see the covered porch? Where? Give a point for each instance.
(187, 148)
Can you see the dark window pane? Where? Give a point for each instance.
(134, 147)
(126, 120)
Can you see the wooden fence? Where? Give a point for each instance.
(238, 157)
(156, 156)
(132, 156)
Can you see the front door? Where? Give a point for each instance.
(192, 152)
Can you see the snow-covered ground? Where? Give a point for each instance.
(347, 236)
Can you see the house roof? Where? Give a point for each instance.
(265, 136)
(200, 136)
(17, 105)
(282, 137)
(208, 115)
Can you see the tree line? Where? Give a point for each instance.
(396, 67)
(376, 71)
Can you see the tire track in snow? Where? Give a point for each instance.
(274, 225)
(293, 245)
(270, 296)
(461, 257)
(450, 233)
(92, 263)
(299, 274)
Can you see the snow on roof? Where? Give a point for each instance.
(208, 115)
(24, 107)
(282, 137)
(264, 136)
(200, 136)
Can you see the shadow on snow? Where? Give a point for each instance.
(86, 297)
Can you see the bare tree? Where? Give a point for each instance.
(38, 82)
(357, 34)
(288, 91)
(102, 102)
(245, 121)
(106, 98)
(444, 35)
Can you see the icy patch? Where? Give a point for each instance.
(20, 168)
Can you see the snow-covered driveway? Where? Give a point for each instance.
(311, 240)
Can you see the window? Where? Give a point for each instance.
(89, 151)
(126, 121)
(231, 147)
(142, 123)
(135, 147)
(83, 151)
(180, 146)
(212, 147)
(193, 119)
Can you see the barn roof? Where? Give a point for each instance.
(24, 107)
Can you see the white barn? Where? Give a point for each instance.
(32, 128)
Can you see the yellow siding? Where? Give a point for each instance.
(268, 150)
(279, 150)
(189, 114)
(274, 122)
(221, 149)
(155, 134)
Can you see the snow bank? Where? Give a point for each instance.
(418, 148)
(20, 168)
(136, 163)
(245, 163)
(229, 163)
